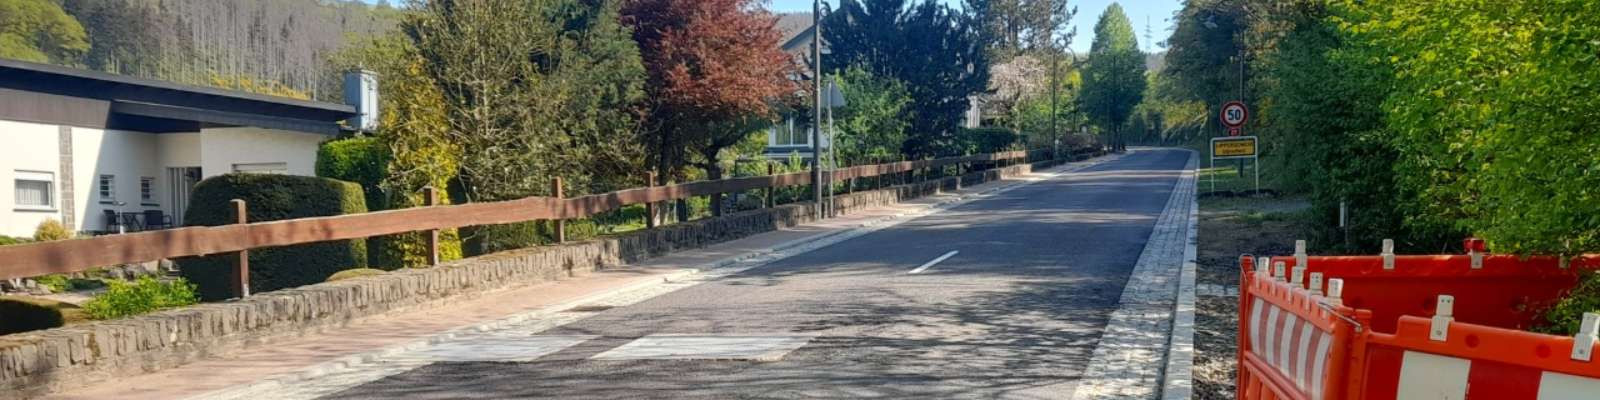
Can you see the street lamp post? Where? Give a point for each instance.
(816, 114)
(1055, 87)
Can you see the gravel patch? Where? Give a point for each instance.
(1216, 323)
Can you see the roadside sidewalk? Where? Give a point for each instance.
(289, 359)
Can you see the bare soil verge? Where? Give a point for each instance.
(1230, 227)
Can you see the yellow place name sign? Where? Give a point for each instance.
(1233, 147)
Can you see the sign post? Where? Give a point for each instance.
(1236, 148)
(1234, 115)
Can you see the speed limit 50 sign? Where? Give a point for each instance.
(1234, 114)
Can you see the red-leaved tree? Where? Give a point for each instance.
(715, 71)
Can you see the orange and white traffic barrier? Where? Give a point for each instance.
(1411, 327)
(1476, 362)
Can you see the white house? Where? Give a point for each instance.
(793, 136)
(106, 153)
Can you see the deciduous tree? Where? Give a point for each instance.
(712, 65)
(39, 31)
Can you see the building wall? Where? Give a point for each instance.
(179, 149)
(128, 157)
(223, 148)
(28, 147)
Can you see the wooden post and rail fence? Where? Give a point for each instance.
(77, 255)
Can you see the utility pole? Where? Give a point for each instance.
(1055, 85)
(816, 113)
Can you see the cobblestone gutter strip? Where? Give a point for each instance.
(1179, 383)
(1132, 354)
(351, 371)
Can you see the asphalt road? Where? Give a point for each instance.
(1016, 313)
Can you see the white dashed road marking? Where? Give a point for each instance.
(706, 347)
(924, 267)
(494, 348)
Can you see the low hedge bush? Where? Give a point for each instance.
(987, 140)
(22, 314)
(141, 296)
(273, 198)
(355, 273)
(51, 230)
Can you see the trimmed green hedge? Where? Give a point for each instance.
(273, 198)
(363, 160)
(22, 314)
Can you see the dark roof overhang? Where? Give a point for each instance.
(153, 105)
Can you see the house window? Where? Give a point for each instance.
(108, 189)
(789, 134)
(147, 191)
(35, 190)
(262, 168)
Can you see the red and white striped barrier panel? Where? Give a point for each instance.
(1410, 327)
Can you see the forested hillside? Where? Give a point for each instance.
(274, 46)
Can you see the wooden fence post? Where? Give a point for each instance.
(561, 223)
(877, 176)
(650, 207)
(430, 198)
(770, 201)
(241, 269)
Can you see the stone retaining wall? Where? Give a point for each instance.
(37, 363)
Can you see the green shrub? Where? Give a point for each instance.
(355, 273)
(23, 314)
(1566, 315)
(987, 140)
(144, 295)
(51, 230)
(363, 160)
(7, 240)
(486, 239)
(273, 198)
(56, 283)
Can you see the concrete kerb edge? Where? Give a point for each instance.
(348, 362)
(1178, 376)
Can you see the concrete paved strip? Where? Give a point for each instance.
(1179, 374)
(324, 379)
(706, 347)
(1132, 354)
(1017, 315)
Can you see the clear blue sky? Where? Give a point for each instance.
(1158, 11)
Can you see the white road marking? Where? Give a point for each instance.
(924, 267)
(706, 347)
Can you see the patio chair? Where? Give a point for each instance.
(114, 222)
(155, 219)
